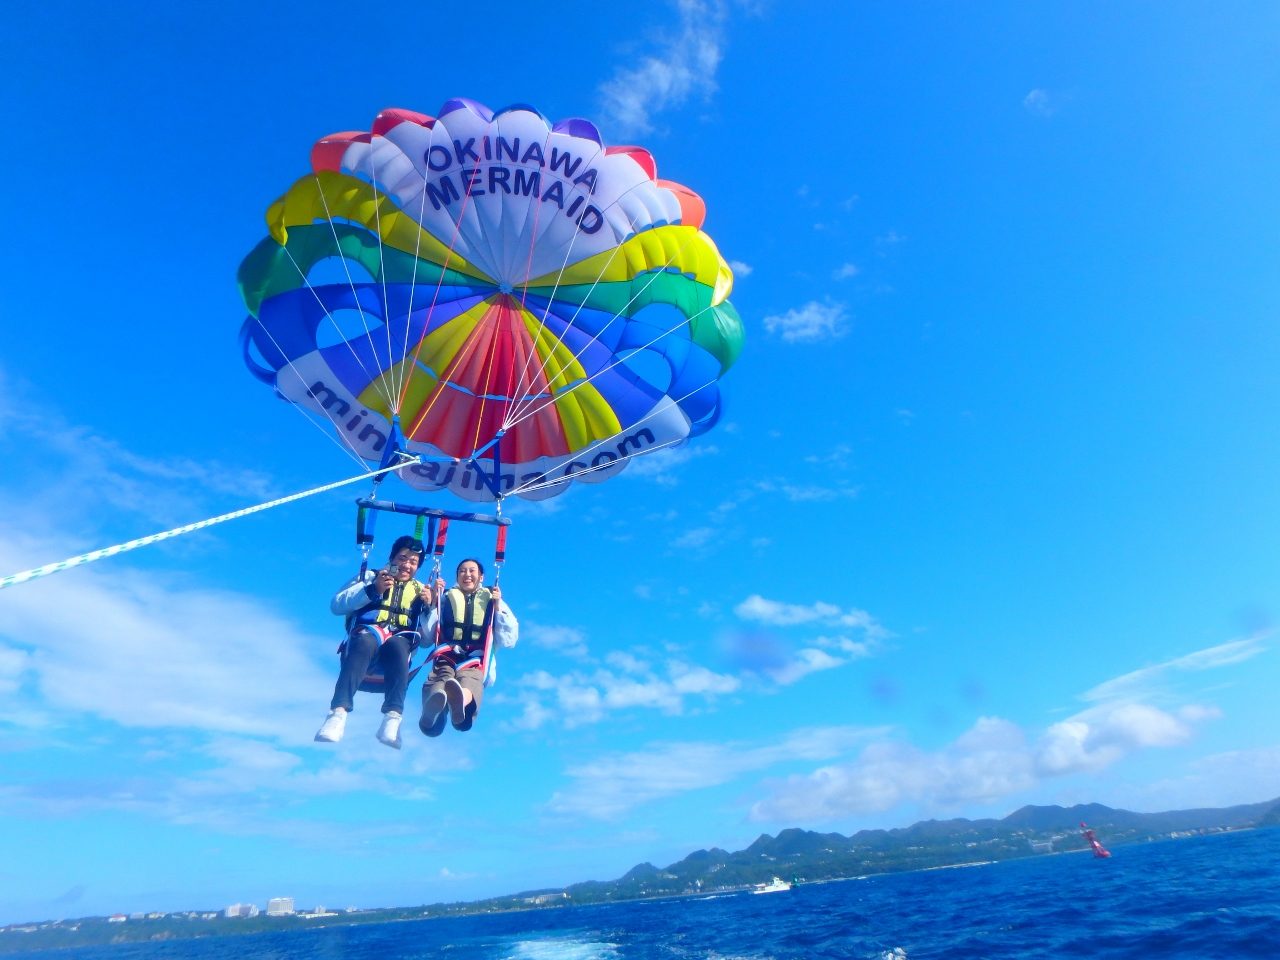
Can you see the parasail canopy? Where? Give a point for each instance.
(509, 299)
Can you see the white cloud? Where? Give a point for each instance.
(683, 66)
(694, 539)
(740, 269)
(810, 323)
(662, 466)
(778, 613)
(838, 456)
(566, 641)
(816, 493)
(13, 664)
(1218, 780)
(703, 682)
(989, 761)
(762, 655)
(1124, 716)
(995, 759)
(1142, 683)
(626, 662)
(98, 478)
(804, 662)
(609, 787)
(845, 271)
(1099, 737)
(109, 648)
(578, 697)
(1039, 102)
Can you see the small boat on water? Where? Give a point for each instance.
(776, 885)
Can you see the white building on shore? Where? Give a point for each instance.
(280, 907)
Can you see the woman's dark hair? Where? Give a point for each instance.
(470, 560)
(412, 544)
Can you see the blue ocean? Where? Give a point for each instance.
(1215, 896)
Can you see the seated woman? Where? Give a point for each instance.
(458, 668)
(385, 619)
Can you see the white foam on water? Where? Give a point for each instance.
(564, 948)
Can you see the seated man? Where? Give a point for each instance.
(458, 667)
(385, 617)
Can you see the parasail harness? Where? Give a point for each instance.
(475, 646)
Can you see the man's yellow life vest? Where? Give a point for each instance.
(397, 606)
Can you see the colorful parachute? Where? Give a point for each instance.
(509, 299)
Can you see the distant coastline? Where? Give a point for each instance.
(800, 856)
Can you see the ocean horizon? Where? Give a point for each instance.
(1215, 895)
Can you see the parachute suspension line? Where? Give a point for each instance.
(537, 405)
(340, 441)
(541, 404)
(89, 557)
(382, 273)
(499, 557)
(435, 298)
(488, 386)
(528, 261)
(466, 353)
(524, 488)
(402, 386)
(515, 381)
(528, 487)
(324, 306)
(514, 414)
(392, 407)
(534, 410)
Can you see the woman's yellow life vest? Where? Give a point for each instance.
(468, 617)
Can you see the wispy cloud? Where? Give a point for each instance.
(783, 614)
(1040, 102)
(845, 271)
(89, 631)
(810, 323)
(989, 761)
(566, 641)
(609, 787)
(1216, 781)
(783, 661)
(683, 66)
(808, 493)
(663, 466)
(99, 478)
(740, 269)
(575, 698)
(694, 539)
(1143, 682)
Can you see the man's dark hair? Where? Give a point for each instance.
(412, 544)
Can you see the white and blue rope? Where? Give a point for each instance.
(92, 555)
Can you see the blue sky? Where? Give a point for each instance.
(990, 520)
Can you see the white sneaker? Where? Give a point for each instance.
(334, 726)
(389, 732)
